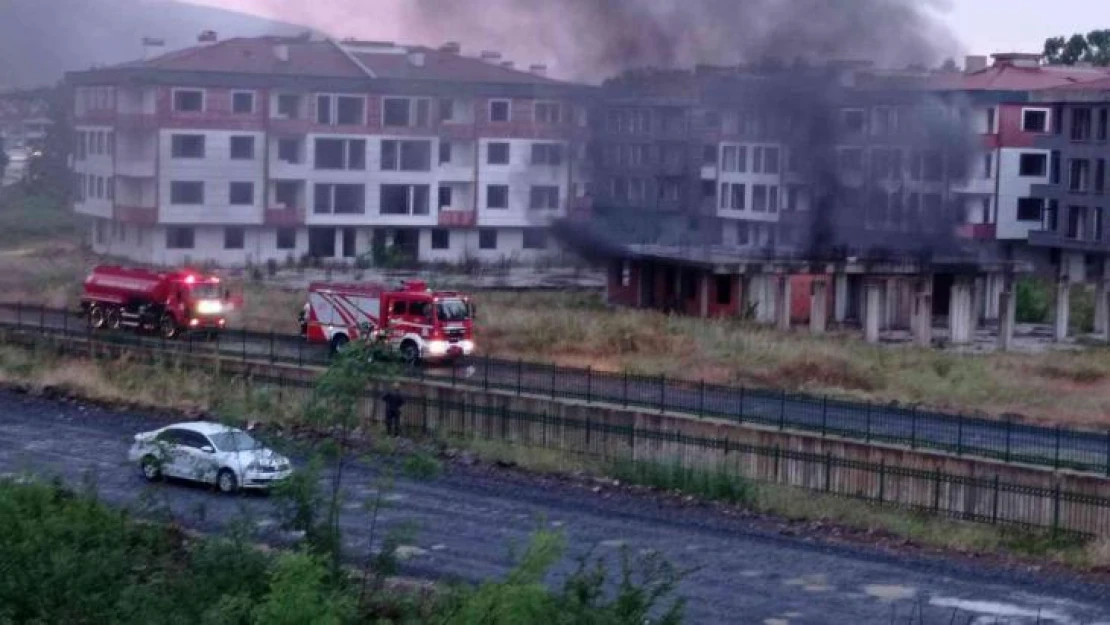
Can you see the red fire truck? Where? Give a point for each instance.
(169, 302)
(410, 319)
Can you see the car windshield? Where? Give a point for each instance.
(234, 440)
(206, 291)
(452, 310)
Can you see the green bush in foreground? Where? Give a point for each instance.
(66, 558)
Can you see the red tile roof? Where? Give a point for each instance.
(1008, 77)
(259, 55)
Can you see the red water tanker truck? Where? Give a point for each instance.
(166, 302)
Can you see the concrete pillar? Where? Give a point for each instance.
(782, 306)
(746, 297)
(1063, 308)
(922, 318)
(890, 303)
(819, 306)
(996, 283)
(1007, 308)
(840, 297)
(959, 311)
(872, 311)
(768, 299)
(703, 294)
(978, 302)
(1102, 309)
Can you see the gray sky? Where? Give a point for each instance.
(983, 26)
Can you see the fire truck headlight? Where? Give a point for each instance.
(194, 323)
(467, 347)
(209, 307)
(437, 348)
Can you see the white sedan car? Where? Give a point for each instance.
(212, 453)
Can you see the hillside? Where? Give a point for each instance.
(42, 39)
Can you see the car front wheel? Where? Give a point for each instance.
(226, 482)
(150, 468)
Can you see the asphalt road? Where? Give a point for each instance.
(465, 521)
(1080, 450)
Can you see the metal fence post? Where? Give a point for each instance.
(1056, 508)
(782, 412)
(554, 372)
(243, 339)
(589, 383)
(65, 323)
(882, 480)
(828, 471)
(519, 374)
(960, 435)
(485, 374)
(740, 410)
(272, 347)
(1056, 457)
(824, 416)
(625, 395)
(662, 393)
(868, 411)
(42, 319)
(936, 491)
(913, 428)
(1009, 432)
(701, 400)
(994, 507)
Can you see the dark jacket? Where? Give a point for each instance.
(393, 402)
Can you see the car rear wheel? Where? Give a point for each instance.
(410, 353)
(96, 317)
(113, 319)
(167, 327)
(338, 342)
(226, 482)
(150, 468)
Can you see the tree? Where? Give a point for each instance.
(949, 66)
(1093, 48)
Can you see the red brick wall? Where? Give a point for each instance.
(801, 296)
(217, 113)
(731, 309)
(1010, 134)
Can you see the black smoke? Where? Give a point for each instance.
(782, 61)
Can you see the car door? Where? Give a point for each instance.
(170, 450)
(199, 465)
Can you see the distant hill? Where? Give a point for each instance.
(40, 40)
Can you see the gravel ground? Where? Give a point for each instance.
(747, 570)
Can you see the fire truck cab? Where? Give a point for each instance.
(409, 319)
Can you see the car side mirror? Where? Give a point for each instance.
(208, 449)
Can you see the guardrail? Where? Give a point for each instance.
(1004, 440)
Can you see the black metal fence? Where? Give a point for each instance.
(1005, 440)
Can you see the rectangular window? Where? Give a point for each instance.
(851, 161)
(179, 238)
(441, 239)
(535, 239)
(547, 113)
(1034, 120)
(497, 153)
(289, 151)
(339, 199)
(773, 199)
(341, 154)
(242, 102)
(1079, 175)
(289, 106)
(988, 165)
(990, 121)
(285, 193)
(852, 120)
(499, 111)
(445, 197)
(188, 100)
(395, 112)
(487, 239)
(444, 152)
(242, 148)
(187, 146)
(406, 155)
(186, 193)
(446, 110)
(404, 199)
(550, 154)
(770, 160)
(1102, 124)
(350, 110)
(739, 197)
(497, 196)
(234, 238)
(759, 198)
(1097, 224)
(241, 193)
(1081, 124)
(1100, 175)
(1033, 165)
(285, 239)
(729, 158)
(544, 198)
(100, 187)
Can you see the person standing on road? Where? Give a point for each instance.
(393, 403)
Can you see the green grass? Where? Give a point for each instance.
(26, 218)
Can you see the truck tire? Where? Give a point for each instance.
(410, 352)
(338, 342)
(167, 327)
(96, 317)
(113, 319)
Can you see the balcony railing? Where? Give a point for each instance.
(136, 121)
(977, 232)
(284, 217)
(141, 215)
(458, 218)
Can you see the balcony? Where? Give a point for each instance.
(284, 217)
(457, 132)
(136, 121)
(281, 127)
(1050, 238)
(458, 218)
(977, 232)
(136, 169)
(139, 215)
